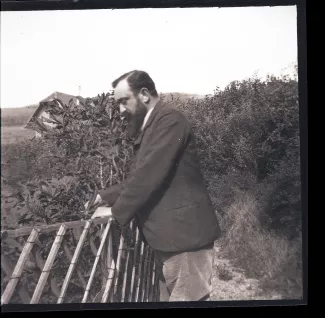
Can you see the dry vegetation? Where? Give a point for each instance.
(271, 263)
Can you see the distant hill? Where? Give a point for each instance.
(16, 116)
(19, 116)
(181, 96)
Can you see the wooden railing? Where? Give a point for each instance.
(108, 264)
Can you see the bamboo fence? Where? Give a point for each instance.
(123, 264)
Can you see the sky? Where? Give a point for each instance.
(190, 50)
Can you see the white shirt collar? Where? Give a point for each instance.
(147, 117)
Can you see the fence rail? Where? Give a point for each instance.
(85, 261)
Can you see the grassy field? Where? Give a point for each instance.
(12, 134)
(16, 116)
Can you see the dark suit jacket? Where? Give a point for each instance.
(165, 191)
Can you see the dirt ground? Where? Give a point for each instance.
(230, 283)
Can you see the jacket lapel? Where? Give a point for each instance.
(153, 114)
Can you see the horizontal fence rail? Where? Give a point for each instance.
(77, 262)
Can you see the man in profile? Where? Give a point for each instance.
(165, 191)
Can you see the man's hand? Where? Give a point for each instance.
(97, 200)
(102, 212)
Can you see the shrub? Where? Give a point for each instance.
(248, 139)
(88, 144)
(286, 275)
(88, 149)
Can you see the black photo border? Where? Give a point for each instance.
(26, 5)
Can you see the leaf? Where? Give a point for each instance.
(82, 144)
(81, 100)
(54, 287)
(46, 189)
(114, 164)
(24, 216)
(39, 260)
(113, 124)
(88, 273)
(56, 216)
(60, 104)
(78, 163)
(67, 181)
(108, 152)
(41, 125)
(71, 103)
(55, 119)
(101, 99)
(108, 110)
(92, 200)
(92, 245)
(50, 121)
(4, 235)
(76, 233)
(65, 122)
(13, 243)
(26, 220)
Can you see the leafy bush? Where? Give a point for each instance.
(88, 149)
(248, 139)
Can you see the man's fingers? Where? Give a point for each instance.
(98, 200)
(102, 212)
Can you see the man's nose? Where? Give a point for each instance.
(122, 109)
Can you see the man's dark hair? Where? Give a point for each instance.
(138, 80)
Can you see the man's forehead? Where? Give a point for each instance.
(122, 89)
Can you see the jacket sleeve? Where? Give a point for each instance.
(111, 194)
(166, 144)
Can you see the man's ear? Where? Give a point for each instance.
(144, 95)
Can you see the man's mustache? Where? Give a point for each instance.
(125, 115)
